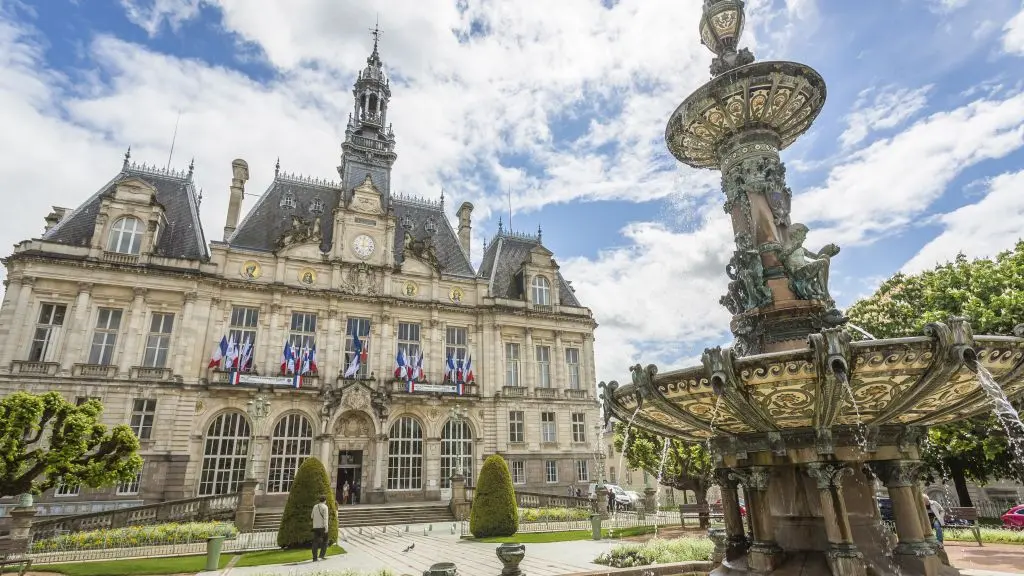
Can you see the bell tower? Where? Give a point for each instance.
(369, 146)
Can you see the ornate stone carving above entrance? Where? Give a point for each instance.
(354, 424)
(356, 398)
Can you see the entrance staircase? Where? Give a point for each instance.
(373, 515)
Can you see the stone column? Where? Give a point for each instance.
(21, 526)
(134, 334)
(17, 307)
(912, 553)
(332, 355)
(496, 366)
(559, 378)
(601, 500)
(245, 514)
(737, 543)
(529, 363)
(588, 381)
(843, 557)
(379, 469)
(326, 442)
(765, 554)
(78, 331)
(184, 343)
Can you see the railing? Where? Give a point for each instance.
(118, 258)
(148, 373)
(575, 394)
(187, 510)
(370, 143)
(39, 368)
(50, 509)
(151, 546)
(545, 392)
(94, 370)
(513, 391)
(559, 521)
(426, 388)
(540, 500)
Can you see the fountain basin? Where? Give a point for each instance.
(827, 393)
(783, 97)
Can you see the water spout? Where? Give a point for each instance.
(970, 358)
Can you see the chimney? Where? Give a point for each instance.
(240, 175)
(54, 218)
(465, 225)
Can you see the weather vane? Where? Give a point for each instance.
(376, 31)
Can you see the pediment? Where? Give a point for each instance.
(541, 256)
(302, 251)
(366, 198)
(413, 266)
(134, 189)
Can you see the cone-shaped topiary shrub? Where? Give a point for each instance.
(311, 481)
(494, 511)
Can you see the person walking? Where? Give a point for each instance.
(320, 524)
(345, 492)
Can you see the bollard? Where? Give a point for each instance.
(441, 569)
(213, 546)
(595, 525)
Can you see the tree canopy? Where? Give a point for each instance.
(990, 294)
(687, 466)
(46, 440)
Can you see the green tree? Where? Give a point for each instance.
(494, 511)
(311, 482)
(687, 466)
(990, 294)
(46, 440)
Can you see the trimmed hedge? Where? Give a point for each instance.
(296, 529)
(136, 536)
(494, 511)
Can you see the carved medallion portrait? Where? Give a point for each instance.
(307, 276)
(410, 289)
(251, 269)
(456, 295)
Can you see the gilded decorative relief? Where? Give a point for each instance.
(251, 270)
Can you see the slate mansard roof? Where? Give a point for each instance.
(504, 256)
(290, 195)
(183, 237)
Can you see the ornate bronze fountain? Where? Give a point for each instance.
(801, 416)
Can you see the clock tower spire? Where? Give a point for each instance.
(369, 146)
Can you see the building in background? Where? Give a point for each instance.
(344, 321)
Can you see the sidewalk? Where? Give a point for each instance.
(373, 550)
(990, 559)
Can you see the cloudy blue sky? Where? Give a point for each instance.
(918, 154)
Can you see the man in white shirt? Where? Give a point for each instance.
(320, 517)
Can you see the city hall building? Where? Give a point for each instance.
(123, 299)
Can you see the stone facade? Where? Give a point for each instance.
(124, 300)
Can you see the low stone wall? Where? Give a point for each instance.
(677, 569)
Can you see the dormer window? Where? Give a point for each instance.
(125, 236)
(541, 289)
(288, 200)
(317, 206)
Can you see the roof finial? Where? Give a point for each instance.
(442, 198)
(127, 159)
(199, 200)
(500, 226)
(376, 33)
(538, 232)
(191, 168)
(277, 167)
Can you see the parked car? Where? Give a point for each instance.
(716, 507)
(622, 500)
(634, 498)
(1014, 518)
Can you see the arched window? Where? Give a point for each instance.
(125, 236)
(541, 291)
(405, 455)
(225, 454)
(292, 443)
(456, 444)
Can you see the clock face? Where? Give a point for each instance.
(363, 246)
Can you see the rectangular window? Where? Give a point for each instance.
(518, 468)
(551, 471)
(512, 364)
(408, 340)
(51, 318)
(516, 426)
(455, 343)
(159, 341)
(358, 327)
(543, 358)
(612, 476)
(143, 413)
(547, 427)
(104, 337)
(302, 334)
(130, 488)
(579, 427)
(582, 471)
(63, 489)
(244, 322)
(572, 365)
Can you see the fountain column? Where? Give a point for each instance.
(843, 557)
(737, 540)
(765, 554)
(912, 553)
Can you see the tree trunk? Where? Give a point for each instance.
(960, 482)
(702, 500)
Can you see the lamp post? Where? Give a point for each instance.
(258, 409)
(458, 416)
(599, 453)
(600, 491)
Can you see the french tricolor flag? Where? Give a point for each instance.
(401, 367)
(219, 352)
(235, 378)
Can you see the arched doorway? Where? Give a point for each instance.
(353, 440)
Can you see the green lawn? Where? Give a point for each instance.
(175, 565)
(567, 536)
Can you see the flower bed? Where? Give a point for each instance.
(553, 514)
(135, 536)
(657, 551)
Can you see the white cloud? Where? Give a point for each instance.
(891, 182)
(890, 107)
(946, 6)
(979, 230)
(1013, 39)
(150, 15)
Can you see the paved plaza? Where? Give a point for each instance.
(373, 550)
